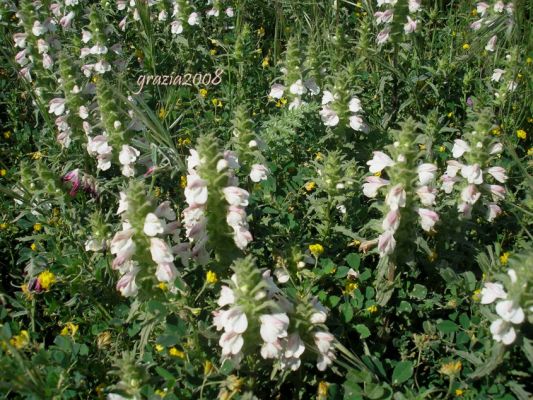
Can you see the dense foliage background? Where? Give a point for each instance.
(379, 229)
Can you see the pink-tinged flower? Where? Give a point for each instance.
(409, 26)
(160, 251)
(226, 296)
(379, 162)
(74, 177)
(493, 211)
(372, 185)
(236, 217)
(476, 25)
(320, 313)
(42, 46)
(194, 19)
(56, 106)
(391, 221)
(271, 350)
(499, 6)
(296, 103)
(38, 29)
(230, 12)
(396, 197)
(298, 88)
(126, 284)
(122, 203)
(498, 192)
(98, 145)
(166, 272)
(428, 218)
(312, 86)
(496, 148)
(323, 342)
(355, 105)
(242, 237)
(459, 148)
(470, 194)
(453, 167)
(491, 44)
(358, 124)
(236, 321)
(465, 209)
(482, 8)
(176, 27)
(193, 161)
(276, 91)
(329, 116)
(386, 243)
(47, 61)
(498, 173)
(512, 275)
(510, 312)
(509, 8)
(273, 326)
(236, 196)
(67, 19)
(502, 331)
(414, 5)
(128, 155)
(497, 75)
(295, 346)
(196, 190)
(153, 225)
(491, 292)
(383, 16)
(259, 173)
(472, 173)
(427, 195)
(231, 343)
(20, 40)
(165, 211)
(123, 246)
(327, 97)
(104, 161)
(426, 173)
(232, 159)
(383, 36)
(102, 67)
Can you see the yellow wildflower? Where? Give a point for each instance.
(46, 279)
(473, 12)
(450, 114)
(281, 102)
(451, 368)
(3, 172)
(529, 60)
(319, 156)
(216, 103)
(176, 353)
(3, 226)
(354, 243)
(163, 286)
(203, 93)
(208, 367)
(372, 309)
(266, 62)
(103, 339)
(37, 227)
(159, 348)
(422, 146)
(161, 393)
(26, 291)
(476, 296)
(261, 32)
(37, 155)
(504, 258)
(309, 186)
(162, 113)
(213, 52)
(211, 277)
(21, 340)
(442, 149)
(157, 191)
(459, 392)
(33, 247)
(530, 151)
(350, 287)
(70, 328)
(323, 389)
(316, 249)
(496, 131)
(522, 134)
(183, 181)
(7, 134)
(466, 46)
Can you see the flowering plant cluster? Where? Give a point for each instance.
(324, 200)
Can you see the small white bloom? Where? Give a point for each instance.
(153, 225)
(259, 173)
(276, 91)
(491, 292)
(379, 162)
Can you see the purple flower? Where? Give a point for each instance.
(74, 177)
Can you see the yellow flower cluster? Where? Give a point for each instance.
(211, 277)
(174, 352)
(21, 340)
(309, 186)
(69, 329)
(316, 249)
(452, 368)
(46, 279)
(504, 258)
(372, 309)
(521, 134)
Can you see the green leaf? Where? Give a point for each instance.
(347, 311)
(419, 292)
(402, 372)
(334, 300)
(405, 307)
(163, 373)
(353, 260)
(364, 332)
(447, 326)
